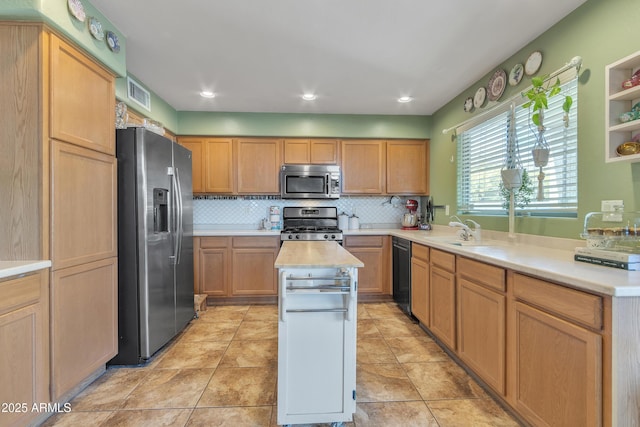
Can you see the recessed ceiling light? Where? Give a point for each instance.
(207, 94)
(405, 99)
(309, 96)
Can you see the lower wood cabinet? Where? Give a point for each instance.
(481, 320)
(24, 344)
(84, 328)
(228, 267)
(420, 283)
(556, 374)
(442, 297)
(375, 252)
(252, 271)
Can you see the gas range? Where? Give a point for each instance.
(310, 223)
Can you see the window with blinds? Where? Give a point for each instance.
(482, 151)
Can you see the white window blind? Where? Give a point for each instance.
(482, 151)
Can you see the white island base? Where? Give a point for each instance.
(316, 333)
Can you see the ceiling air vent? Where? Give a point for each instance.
(138, 94)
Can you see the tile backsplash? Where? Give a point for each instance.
(248, 212)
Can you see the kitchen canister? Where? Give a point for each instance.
(354, 223)
(274, 217)
(343, 221)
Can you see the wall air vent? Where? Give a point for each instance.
(138, 94)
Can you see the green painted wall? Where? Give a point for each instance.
(311, 125)
(56, 14)
(601, 32)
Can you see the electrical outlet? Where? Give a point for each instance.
(612, 206)
(446, 210)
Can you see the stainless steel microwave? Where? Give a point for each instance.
(310, 181)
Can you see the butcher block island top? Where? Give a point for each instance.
(312, 254)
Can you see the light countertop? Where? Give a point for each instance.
(322, 254)
(16, 268)
(544, 257)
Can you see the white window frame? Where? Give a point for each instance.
(481, 151)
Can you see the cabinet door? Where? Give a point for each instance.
(442, 309)
(24, 340)
(82, 99)
(407, 167)
(218, 168)
(213, 275)
(323, 151)
(557, 370)
(83, 205)
(297, 151)
(371, 276)
(363, 167)
(84, 322)
(253, 273)
(420, 290)
(258, 165)
(481, 332)
(197, 148)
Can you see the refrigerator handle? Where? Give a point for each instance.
(179, 226)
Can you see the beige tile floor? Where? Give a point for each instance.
(222, 371)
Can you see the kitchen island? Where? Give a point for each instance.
(317, 319)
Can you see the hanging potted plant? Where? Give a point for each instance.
(538, 101)
(522, 194)
(511, 172)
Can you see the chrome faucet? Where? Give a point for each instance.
(466, 233)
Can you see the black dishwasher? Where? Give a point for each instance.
(402, 273)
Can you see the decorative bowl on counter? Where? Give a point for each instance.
(618, 231)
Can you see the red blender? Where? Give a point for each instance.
(410, 219)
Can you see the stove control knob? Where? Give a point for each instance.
(333, 237)
(326, 237)
(297, 236)
(290, 236)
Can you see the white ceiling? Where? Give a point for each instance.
(358, 56)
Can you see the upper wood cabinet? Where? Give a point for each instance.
(363, 167)
(212, 164)
(314, 151)
(198, 165)
(258, 165)
(82, 99)
(407, 167)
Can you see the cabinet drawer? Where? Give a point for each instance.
(420, 252)
(443, 259)
(483, 274)
(214, 242)
(255, 242)
(364, 241)
(18, 292)
(574, 305)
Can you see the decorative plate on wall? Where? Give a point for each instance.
(76, 8)
(497, 84)
(515, 75)
(468, 104)
(95, 28)
(480, 97)
(534, 61)
(112, 41)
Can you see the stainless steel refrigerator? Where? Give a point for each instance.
(155, 243)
